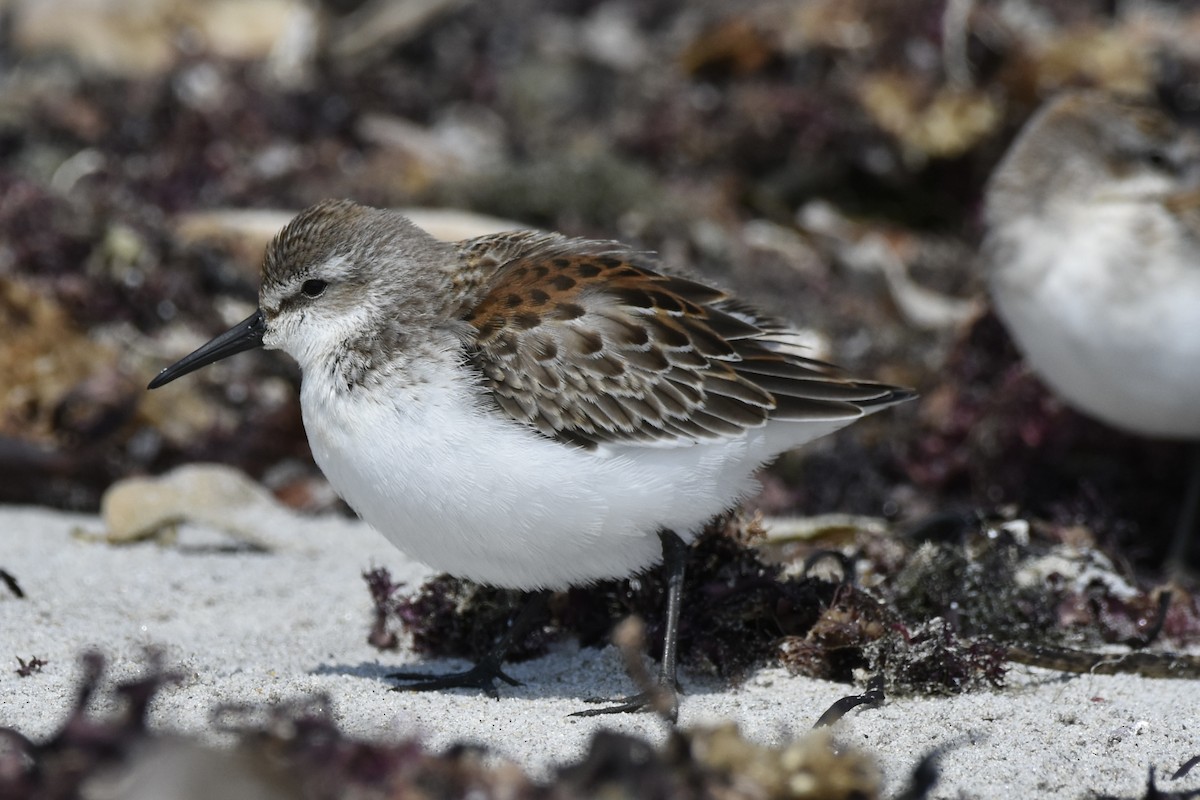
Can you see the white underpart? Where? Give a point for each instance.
(1116, 334)
(459, 486)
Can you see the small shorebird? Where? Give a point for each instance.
(1093, 255)
(528, 410)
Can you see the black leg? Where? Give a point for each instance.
(488, 670)
(665, 696)
(1186, 528)
(675, 553)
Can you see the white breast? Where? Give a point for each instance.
(462, 488)
(1112, 330)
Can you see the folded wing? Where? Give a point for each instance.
(588, 343)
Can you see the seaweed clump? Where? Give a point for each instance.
(860, 635)
(739, 607)
(940, 609)
(742, 612)
(455, 618)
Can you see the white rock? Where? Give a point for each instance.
(213, 495)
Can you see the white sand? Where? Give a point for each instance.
(263, 628)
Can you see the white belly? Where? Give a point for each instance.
(1116, 336)
(459, 487)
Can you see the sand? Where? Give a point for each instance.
(266, 628)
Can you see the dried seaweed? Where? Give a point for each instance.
(294, 749)
(741, 609)
(962, 597)
(83, 747)
(383, 597)
(739, 613)
(449, 617)
(31, 667)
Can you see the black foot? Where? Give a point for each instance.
(664, 701)
(481, 676)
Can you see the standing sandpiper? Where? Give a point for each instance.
(1093, 255)
(527, 410)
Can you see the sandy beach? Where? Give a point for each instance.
(270, 627)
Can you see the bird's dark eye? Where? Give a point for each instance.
(1158, 159)
(313, 288)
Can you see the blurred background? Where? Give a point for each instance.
(825, 158)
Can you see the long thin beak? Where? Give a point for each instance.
(246, 335)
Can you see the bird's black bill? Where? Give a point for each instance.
(246, 335)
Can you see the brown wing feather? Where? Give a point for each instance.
(588, 343)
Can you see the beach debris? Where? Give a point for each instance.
(214, 495)
(147, 37)
(941, 122)
(873, 697)
(384, 605)
(293, 747)
(45, 364)
(941, 609)
(745, 613)
(734, 630)
(10, 582)
(31, 667)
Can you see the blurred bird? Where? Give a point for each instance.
(1093, 262)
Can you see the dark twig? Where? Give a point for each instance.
(11, 582)
(872, 698)
(1148, 665)
(1185, 768)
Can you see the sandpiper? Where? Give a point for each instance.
(528, 410)
(1093, 256)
